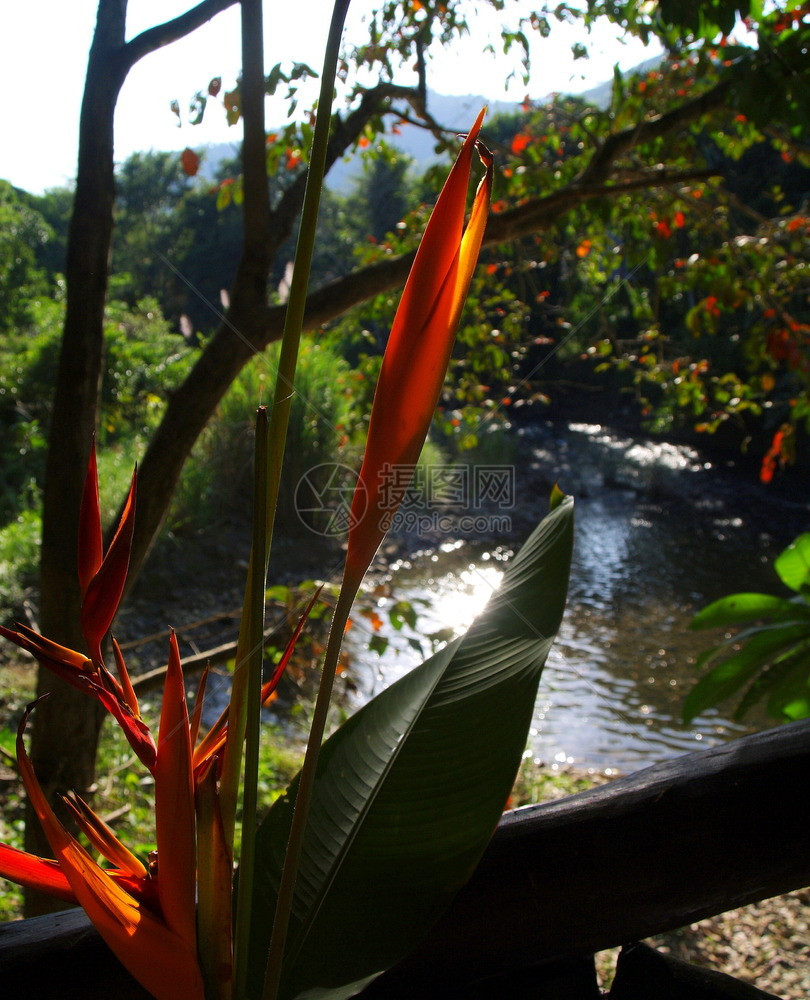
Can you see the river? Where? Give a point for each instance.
(660, 532)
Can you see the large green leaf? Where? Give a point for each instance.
(738, 608)
(793, 565)
(764, 647)
(410, 789)
(785, 683)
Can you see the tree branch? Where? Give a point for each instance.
(171, 31)
(618, 143)
(345, 132)
(337, 297)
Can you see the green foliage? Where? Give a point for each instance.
(323, 420)
(148, 239)
(382, 196)
(28, 359)
(696, 292)
(22, 232)
(144, 362)
(19, 559)
(770, 652)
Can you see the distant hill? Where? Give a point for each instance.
(452, 111)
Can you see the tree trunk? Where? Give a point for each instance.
(66, 725)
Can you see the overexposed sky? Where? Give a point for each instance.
(43, 53)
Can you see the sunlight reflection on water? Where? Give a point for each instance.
(612, 690)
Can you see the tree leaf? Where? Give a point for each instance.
(729, 676)
(739, 608)
(793, 565)
(410, 789)
(772, 682)
(791, 698)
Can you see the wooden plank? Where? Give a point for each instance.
(658, 849)
(651, 852)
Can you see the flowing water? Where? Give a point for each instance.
(659, 534)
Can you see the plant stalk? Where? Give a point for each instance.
(255, 220)
(303, 798)
(250, 632)
(247, 854)
(305, 247)
(282, 401)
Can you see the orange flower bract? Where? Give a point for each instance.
(418, 351)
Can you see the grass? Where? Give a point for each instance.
(536, 783)
(19, 559)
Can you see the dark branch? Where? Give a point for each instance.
(171, 31)
(344, 133)
(654, 851)
(338, 296)
(619, 143)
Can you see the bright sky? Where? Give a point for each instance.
(44, 45)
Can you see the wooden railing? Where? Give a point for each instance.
(683, 840)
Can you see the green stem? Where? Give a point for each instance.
(303, 798)
(255, 222)
(279, 419)
(244, 897)
(282, 401)
(250, 632)
(305, 248)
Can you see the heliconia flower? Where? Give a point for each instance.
(215, 886)
(102, 579)
(42, 874)
(162, 960)
(101, 582)
(214, 740)
(93, 679)
(174, 806)
(102, 837)
(417, 354)
(45, 875)
(146, 914)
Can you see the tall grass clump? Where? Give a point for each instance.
(323, 422)
(19, 558)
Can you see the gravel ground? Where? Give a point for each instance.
(766, 945)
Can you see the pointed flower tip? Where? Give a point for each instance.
(174, 804)
(103, 591)
(91, 543)
(418, 351)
